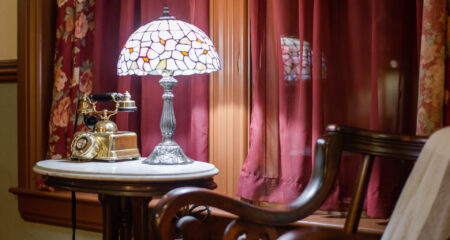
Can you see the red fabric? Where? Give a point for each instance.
(72, 71)
(358, 67)
(432, 107)
(99, 48)
(114, 23)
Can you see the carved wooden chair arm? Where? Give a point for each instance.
(326, 165)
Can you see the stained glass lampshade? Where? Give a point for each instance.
(168, 47)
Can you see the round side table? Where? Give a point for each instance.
(125, 188)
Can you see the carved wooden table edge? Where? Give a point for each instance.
(125, 188)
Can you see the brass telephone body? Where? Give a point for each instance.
(105, 143)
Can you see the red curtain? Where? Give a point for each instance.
(72, 71)
(317, 62)
(433, 109)
(114, 21)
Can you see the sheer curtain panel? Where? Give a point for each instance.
(317, 62)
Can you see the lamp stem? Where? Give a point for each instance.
(168, 123)
(167, 152)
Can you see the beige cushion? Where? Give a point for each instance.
(423, 209)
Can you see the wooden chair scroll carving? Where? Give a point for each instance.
(255, 222)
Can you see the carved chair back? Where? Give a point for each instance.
(372, 144)
(255, 222)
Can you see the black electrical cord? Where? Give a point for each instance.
(74, 215)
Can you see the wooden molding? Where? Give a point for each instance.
(36, 21)
(229, 92)
(55, 208)
(8, 71)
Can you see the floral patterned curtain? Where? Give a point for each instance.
(433, 110)
(72, 71)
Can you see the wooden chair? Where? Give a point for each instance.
(261, 223)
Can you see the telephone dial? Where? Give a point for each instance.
(105, 142)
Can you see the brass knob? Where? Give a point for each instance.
(85, 106)
(105, 126)
(126, 104)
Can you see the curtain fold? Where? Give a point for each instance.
(433, 110)
(319, 62)
(114, 21)
(72, 71)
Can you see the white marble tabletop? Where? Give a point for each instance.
(133, 170)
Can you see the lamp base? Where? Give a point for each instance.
(167, 153)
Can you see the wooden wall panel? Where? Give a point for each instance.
(36, 24)
(229, 92)
(55, 208)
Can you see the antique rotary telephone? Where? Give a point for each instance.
(104, 143)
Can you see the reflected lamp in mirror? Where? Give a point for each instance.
(168, 47)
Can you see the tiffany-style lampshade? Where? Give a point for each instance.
(168, 47)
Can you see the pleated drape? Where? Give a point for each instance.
(318, 62)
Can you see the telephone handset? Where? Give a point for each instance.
(105, 142)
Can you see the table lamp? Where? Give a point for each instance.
(167, 47)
